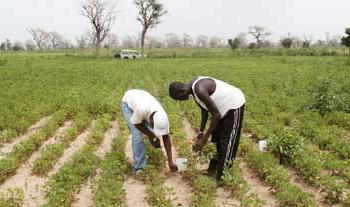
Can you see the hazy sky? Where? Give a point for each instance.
(223, 18)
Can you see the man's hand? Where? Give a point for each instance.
(200, 135)
(199, 144)
(173, 167)
(155, 142)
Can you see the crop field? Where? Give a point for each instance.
(64, 142)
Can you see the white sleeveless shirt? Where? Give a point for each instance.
(225, 96)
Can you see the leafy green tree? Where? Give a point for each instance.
(149, 14)
(345, 40)
(235, 43)
(286, 42)
(3, 46)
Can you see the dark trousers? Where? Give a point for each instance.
(226, 137)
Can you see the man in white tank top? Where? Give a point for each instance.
(226, 105)
(145, 115)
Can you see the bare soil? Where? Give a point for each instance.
(84, 197)
(307, 188)
(257, 186)
(77, 144)
(32, 184)
(135, 189)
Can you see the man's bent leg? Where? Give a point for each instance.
(225, 142)
(214, 161)
(138, 148)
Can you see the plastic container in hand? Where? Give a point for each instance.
(181, 163)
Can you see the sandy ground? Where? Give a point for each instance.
(84, 197)
(135, 190)
(257, 186)
(307, 188)
(32, 184)
(182, 190)
(77, 144)
(7, 147)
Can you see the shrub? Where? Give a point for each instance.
(292, 196)
(286, 145)
(325, 100)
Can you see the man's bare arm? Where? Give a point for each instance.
(204, 118)
(149, 133)
(204, 96)
(167, 146)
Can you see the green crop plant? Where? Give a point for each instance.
(12, 198)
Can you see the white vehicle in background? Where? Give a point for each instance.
(129, 54)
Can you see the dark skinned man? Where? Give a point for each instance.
(145, 115)
(226, 105)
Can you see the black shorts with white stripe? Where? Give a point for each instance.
(226, 137)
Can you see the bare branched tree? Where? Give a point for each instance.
(202, 41)
(149, 14)
(215, 42)
(56, 40)
(102, 16)
(39, 36)
(187, 40)
(172, 40)
(259, 33)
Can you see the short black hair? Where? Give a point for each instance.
(174, 88)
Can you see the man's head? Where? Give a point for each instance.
(178, 91)
(160, 123)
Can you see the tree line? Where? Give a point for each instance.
(101, 15)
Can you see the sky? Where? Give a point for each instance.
(223, 18)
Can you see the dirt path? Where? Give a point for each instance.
(224, 198)
(180, 187)
(134, 189)
(84, 197)
(257, 186)
(77, 144)
(7, 147)
(307, 188)
(32, 184)
(191, 134)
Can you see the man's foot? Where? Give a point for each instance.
(138, 175)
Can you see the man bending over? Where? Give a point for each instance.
(226, 105)
(144, 115)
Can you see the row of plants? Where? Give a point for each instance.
(269, 169)
(234, 181)
(36, 86)
(62, 186)
(23, 150)
(51, 153)
(327, 137)
(12, 198)
(291, 138)
(109, 190)
(292, 149)
(114, 168)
